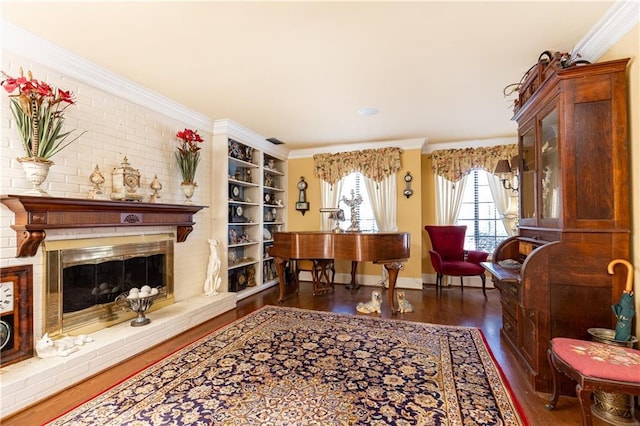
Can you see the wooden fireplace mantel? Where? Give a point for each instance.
(34, 215)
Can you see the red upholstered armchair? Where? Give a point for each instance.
(449, 257)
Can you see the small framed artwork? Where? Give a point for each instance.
(16, 314)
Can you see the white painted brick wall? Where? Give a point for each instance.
(115, 128)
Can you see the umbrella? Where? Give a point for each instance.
(623, 310)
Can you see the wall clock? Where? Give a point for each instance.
(302, 205)
(16, 314)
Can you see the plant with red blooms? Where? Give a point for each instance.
(39, 113)
(188, 155)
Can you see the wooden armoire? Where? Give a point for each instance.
(574, 214)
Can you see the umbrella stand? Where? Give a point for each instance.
(617, 409)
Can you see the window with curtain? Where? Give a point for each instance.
(485, 228)
(377, 169)
(354, 182)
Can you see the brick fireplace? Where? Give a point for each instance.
(49, 223)
(84, 277)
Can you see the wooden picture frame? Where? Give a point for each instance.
(17, 283)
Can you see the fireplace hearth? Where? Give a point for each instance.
(83, 278)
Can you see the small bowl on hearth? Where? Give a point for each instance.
(138, 301)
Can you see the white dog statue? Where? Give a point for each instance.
(403, 303)
(213, 280)
(373, 305)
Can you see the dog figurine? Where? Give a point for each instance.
(373, 305)
(403, 304)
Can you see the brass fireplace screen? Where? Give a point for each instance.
(83, 278)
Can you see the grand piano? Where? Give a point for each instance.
(390, 249)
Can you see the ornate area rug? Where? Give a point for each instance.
(288, 366)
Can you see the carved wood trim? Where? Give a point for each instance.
(34, 215)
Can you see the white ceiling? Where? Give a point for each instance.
(298, 71)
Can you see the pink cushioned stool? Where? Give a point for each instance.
(595, 366)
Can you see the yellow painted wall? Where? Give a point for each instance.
(428, 211)
(297, 168)
(629, 47)
(419, 210)
(409, 210)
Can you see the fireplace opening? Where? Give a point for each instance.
(86, 285)
(84, 277)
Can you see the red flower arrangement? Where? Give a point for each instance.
(39, 113)
(188, 155)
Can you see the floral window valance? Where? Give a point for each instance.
(454, 164)
(375, 164)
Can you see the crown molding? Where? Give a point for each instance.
(24, 43)
(405, 144)
(621, 17)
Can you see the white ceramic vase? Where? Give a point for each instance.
(36, 170)
(188, 188)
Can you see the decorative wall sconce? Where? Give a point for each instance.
(302, 205)
(408, 192)
(505, 172)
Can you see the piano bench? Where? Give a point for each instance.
(319, 270)
(595, 367)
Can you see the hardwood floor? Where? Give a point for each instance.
(451, 306)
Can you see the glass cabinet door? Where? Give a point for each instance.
(549, 167)
(527, 177)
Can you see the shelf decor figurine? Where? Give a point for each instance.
(353, 203)
(96, 179)
(38, 110)
(188, 158)
(155, 186)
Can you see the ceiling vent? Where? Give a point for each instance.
(275, 141)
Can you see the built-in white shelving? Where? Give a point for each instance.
(250, 181)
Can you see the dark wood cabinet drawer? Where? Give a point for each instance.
(508, 289)
(510, 328)
(509, 306)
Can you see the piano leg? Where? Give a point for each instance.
(282, 277)
(353, 285)
(393, 268)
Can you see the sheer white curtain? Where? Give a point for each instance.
(329, 197)
(506, 203)
(383, 200)
(448, 199)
